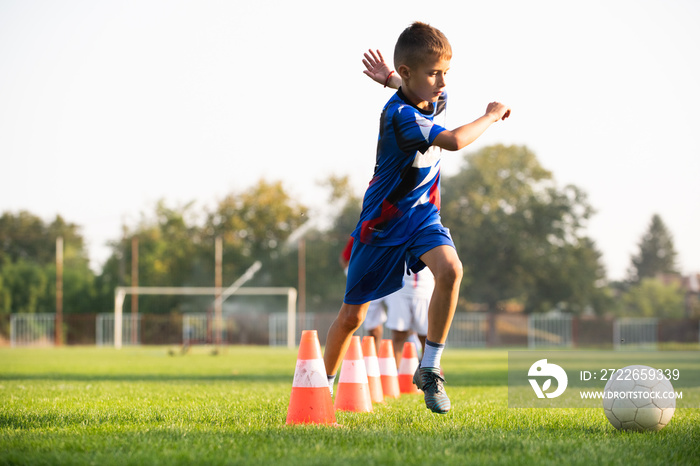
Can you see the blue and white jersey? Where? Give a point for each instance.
(404, 194)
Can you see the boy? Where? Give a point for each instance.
(400, 225)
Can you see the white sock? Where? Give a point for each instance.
(432, 355)
(331, 381)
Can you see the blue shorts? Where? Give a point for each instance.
(378, 271)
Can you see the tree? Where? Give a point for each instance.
(656, 255)
(519, 236)
(346, 205)
(255, 225)
(171, 252)
(653, 298)
(325, 278)
(23, 236)
(570, 279)
(176, 246)
(26, 236)
(28, 265)
(29, 287)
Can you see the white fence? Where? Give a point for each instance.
(196, 328)
(104, 329)
(549, 331)
(468, 330)
(277, 324)
(32, 329)
(635, 333)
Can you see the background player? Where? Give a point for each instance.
(407, 311)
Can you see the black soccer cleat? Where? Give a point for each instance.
(429, 380)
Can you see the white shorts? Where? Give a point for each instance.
(376, 314)
(407, 313)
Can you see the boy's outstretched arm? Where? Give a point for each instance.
(464, 135)
(379, 71)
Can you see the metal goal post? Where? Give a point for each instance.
(121, 292)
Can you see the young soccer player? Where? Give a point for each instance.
(400, 224)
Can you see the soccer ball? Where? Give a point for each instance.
(639, 398)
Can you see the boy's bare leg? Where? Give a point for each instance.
(377, 332)
(349, 319)
(398, 339)
(421, 338)
(447, 269)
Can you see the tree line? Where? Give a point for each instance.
(521, 237)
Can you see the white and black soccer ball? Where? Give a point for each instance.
(639, 398)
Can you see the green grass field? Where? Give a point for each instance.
(154, 406)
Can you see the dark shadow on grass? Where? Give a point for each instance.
(468, 379)
(453, 379)
(173, 378)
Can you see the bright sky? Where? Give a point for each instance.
(108, 106)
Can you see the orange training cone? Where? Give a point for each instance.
(372, 365)
(407, 367)
(387, 369)
(353, 386)
(310, 402)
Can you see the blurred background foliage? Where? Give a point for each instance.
(521, 237)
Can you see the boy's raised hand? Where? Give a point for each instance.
(498, 110)
(377, 69)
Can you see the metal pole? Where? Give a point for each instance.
(291, 317)
(119, 295)
(302, 277)
(59, 292)
(218, 303)
(134, 284)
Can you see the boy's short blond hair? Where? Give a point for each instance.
(420, 42)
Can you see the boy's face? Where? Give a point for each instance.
(425, 83)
